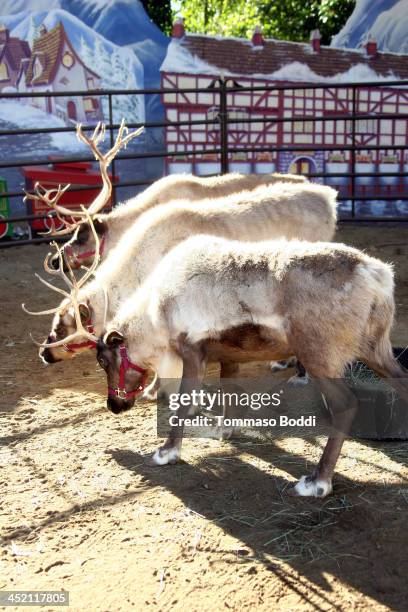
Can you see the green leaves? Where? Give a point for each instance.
(160, 13)
(284, 19)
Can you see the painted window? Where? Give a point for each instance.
(362, 126)
(240, 117)
(4, 73)
(37, 68)
(90, 104)
(212, 113)
(303, 127)
(68, 60)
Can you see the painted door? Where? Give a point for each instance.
(302, 165)
(72, 111)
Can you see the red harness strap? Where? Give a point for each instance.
(73, 347)
(76, 259)
(125, 365)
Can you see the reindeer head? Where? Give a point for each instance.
(81, 248)
(126, 379)
(64, 326)
(72, 329)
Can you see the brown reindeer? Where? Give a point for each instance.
(215, 299)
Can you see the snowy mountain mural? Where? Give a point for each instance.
(112, 67)
(113, 39)
(385, 20)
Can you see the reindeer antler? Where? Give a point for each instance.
(75, 286)
(103, 197)
(45, 195)
(105, 159)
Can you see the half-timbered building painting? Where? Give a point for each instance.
(196, 61)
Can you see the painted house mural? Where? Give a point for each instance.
(64, 46)
(13, 52)
(54, 65)
(74, 47)
(196, 61)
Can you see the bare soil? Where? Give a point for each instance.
(81, 510)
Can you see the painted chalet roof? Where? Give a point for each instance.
(210, 55)
(14, 50)
(48, 49)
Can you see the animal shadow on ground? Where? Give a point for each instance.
(346, 534)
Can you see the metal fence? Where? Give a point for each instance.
(223, 148)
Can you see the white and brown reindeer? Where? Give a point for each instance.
(110, 227)
(216, 299)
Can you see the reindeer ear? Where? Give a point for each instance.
(113, 338)
(84, 312)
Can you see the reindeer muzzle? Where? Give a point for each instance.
(46, 354)
(117, 406)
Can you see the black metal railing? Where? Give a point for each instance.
(224, 149)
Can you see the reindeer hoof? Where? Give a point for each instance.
(298, 381)
(277, 366)
(309, 487)
(165, 456)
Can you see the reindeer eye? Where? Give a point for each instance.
(102, 362)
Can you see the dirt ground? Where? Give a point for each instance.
(81, 510)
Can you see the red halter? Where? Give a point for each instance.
(76, 259)
(73, 347)
(125, 365)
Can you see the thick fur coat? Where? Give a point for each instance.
(174, 188)
(328, 304)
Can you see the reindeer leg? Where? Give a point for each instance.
(150, 392)
(301, 377)
(343, 405)
(193, 374)
(170, 367)
(228, 370)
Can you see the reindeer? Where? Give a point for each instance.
(111, 226)
(214, 299)
(285, 209)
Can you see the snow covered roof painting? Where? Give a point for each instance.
(13, 51)
(11, 48)
(280, 60)
(48, 51)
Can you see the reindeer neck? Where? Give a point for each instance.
(144, 343)
(129, 211)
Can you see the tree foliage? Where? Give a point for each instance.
(284, 19)
(160, 13)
